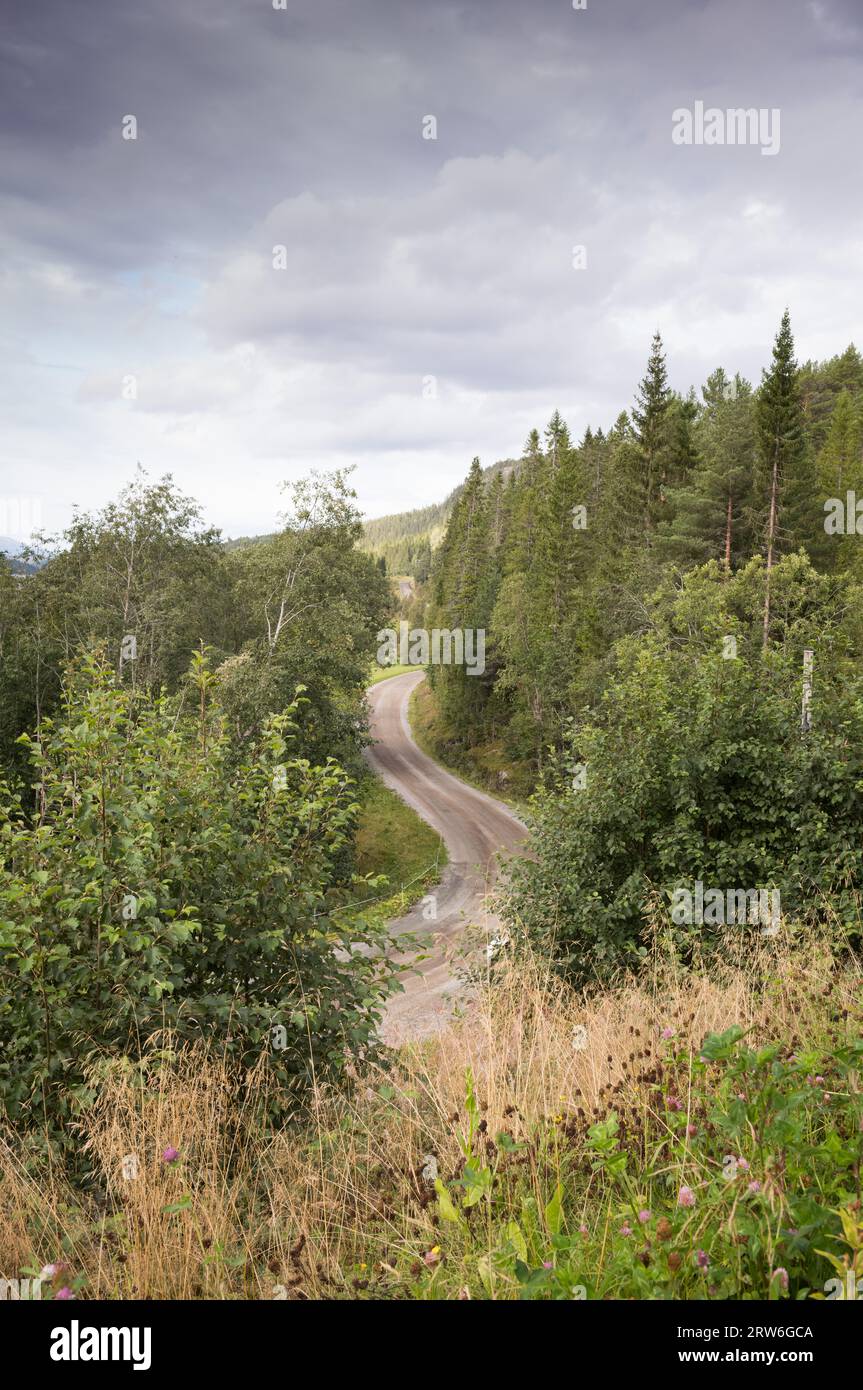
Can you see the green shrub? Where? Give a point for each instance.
(696, 769)
(162, 883)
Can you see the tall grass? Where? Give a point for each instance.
(342, 1203)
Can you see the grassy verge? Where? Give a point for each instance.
(485, 767)
(681, 1136)
(385, 673)
(395, 843)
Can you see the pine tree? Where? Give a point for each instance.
(712, 508)
(839, 471)
(780, 443)
(650, 416)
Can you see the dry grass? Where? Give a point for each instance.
(337, 1205)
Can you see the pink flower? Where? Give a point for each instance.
(782, 1275)
(546, 1264)
(702, 1259)
(673, 1103)
(754, 1186)
(64, 1293)
(644, 1216)
(743, 1165)
(667, 1034)
(583, 1231)
(686, 1197)
(691, 1131)
(626, 1229)
(51, 1271)
(170, 1155)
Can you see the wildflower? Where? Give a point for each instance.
(691, 1131)
(626, 1229)
(64, 1293)
(644, 1216)
(754, 1186)
(50, 1271)
(782, 1275)
(743, 1164)
(663, 1229)
(170, 1155)
(583, 1231)
(702, 1259)
(667, 1034)
(673, 1103)
(546, 1264)
(432, 1256)
(686, 1197)
(674, 1261)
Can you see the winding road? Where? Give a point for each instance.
(474, 828)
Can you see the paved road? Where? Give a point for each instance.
(474, 828)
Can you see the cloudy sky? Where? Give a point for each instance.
(427, 307)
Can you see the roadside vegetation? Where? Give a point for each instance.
(680, 1135)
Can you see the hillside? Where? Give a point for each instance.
(406, 539)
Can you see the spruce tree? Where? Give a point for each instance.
(780, 444)
(650, 416)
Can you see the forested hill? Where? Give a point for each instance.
(406, 539)
(652, 599)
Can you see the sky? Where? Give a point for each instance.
(428, 303)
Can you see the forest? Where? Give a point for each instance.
(648, 595)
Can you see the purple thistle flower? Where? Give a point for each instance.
(170, 1155)
(686, 1197)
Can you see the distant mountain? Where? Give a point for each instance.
(12, 549)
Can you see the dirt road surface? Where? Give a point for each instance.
(474, 828)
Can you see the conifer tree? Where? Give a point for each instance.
(650, 417)
(712, 508)
(780, 444)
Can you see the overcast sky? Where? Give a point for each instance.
(406, 258)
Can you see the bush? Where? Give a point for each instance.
(162, 883)
(696, 769)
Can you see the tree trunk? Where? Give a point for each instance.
(728, 537)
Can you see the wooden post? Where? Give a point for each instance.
(805, 713)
